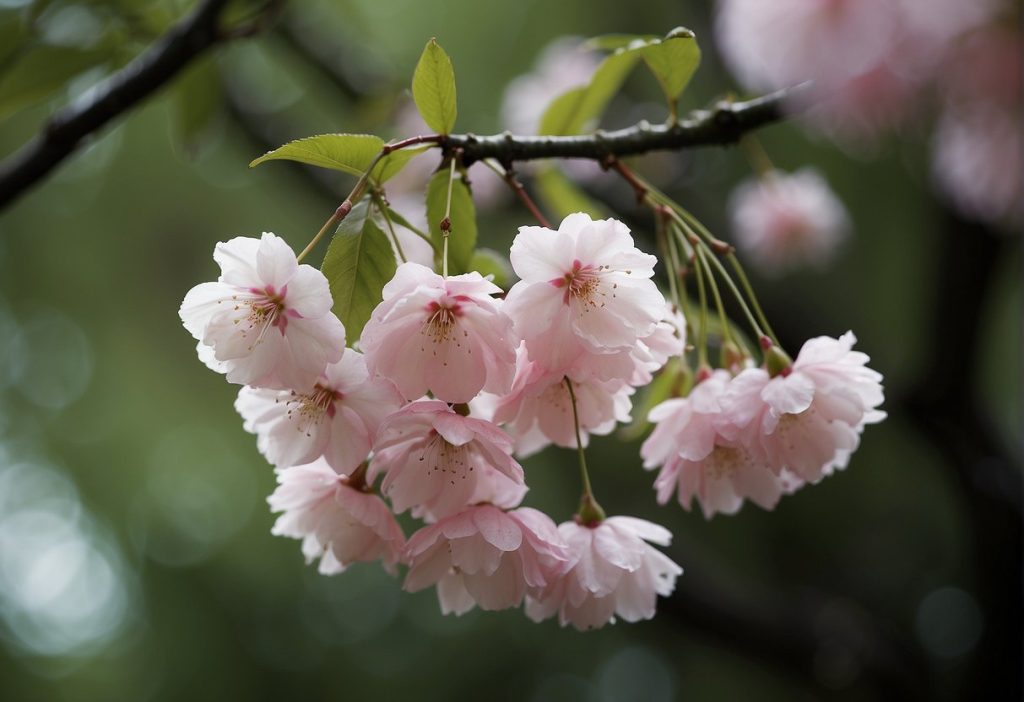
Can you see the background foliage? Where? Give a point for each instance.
(135, 554)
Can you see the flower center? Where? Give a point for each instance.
(726, 461)
(582, 283)
(451, 460)
(442, 318)
(266, 310)
(312, 407)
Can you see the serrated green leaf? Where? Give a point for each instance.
(563, 197)
(462, 238)
(489, 262)
(433, 88)
(351, 153)
(392, 164)
(34, 74)
(358, 264)
(574, 110)
(673, 61)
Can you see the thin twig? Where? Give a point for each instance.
(64, 132)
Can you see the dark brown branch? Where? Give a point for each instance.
(62, 134)
(724, 124)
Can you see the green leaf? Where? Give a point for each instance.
(563, 197)
(433, 88)
(358, 264)
(351, 153)
(489, 262)
(574, 110)
(392, 164)
(462, 238)
(35, 74)
(673, 61)
(611, 42)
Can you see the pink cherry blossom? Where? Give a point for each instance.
(267, 321)
(699, 462)
(653, 351)
(977, 146)
(614, 572)
(437, 461)
(337, 419)
(869, 59)
(538, 411)
(771, 45)
(445, 335)
(583, 289)
(787, 220)
(337, 523)
(809, 419)
(485, 557)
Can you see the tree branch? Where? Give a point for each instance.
(724, 124)
(62, 134)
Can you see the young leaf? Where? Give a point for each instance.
(673, 61)
(351, 153)
(462, 238)
(571, 112)
(489, 262)
(563, 197)
(611, 42)
(358, 264)
(433, 88)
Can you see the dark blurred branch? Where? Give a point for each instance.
(64, 132)
(724, 124)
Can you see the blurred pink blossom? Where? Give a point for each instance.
(785, 221)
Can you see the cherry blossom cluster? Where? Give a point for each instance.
(453, 380)
(874, 64)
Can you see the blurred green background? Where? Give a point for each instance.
(136, 560)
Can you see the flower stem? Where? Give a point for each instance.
(590, 511)
(383, 209)
(446, 223)
(346, 206)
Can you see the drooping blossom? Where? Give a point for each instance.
(538, 410)
(698, 462)
(977, 145)
(436, 461)
(584, 289)
(267, 320)
(653, 351)
(771, 45)
(869, 59)
(614, 572)
(485, 557)
(445, 335)
(338, 523)
(337, 419)
(787, 220)
(806, 420)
